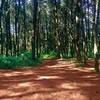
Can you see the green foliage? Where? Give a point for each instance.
(49, 55)
(23, 60)
(90, 54)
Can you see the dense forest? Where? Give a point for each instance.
(62, 28)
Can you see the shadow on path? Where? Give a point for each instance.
(53, 80)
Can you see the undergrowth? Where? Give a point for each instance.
(49, 55)
(13, 62)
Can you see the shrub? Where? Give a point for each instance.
(13, 62)
(49, 55)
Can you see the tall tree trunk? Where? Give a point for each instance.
(25, 26)
(1, 27)
(95, 36)
(8, 33)
(35, 10)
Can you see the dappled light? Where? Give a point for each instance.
(54, 79)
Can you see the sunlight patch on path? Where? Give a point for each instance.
(68, 86)
(17, 73)
(47, 77)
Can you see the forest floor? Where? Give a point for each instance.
(52, 80)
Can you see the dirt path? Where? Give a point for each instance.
(53, 80)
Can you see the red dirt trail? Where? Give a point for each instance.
(53, 80)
